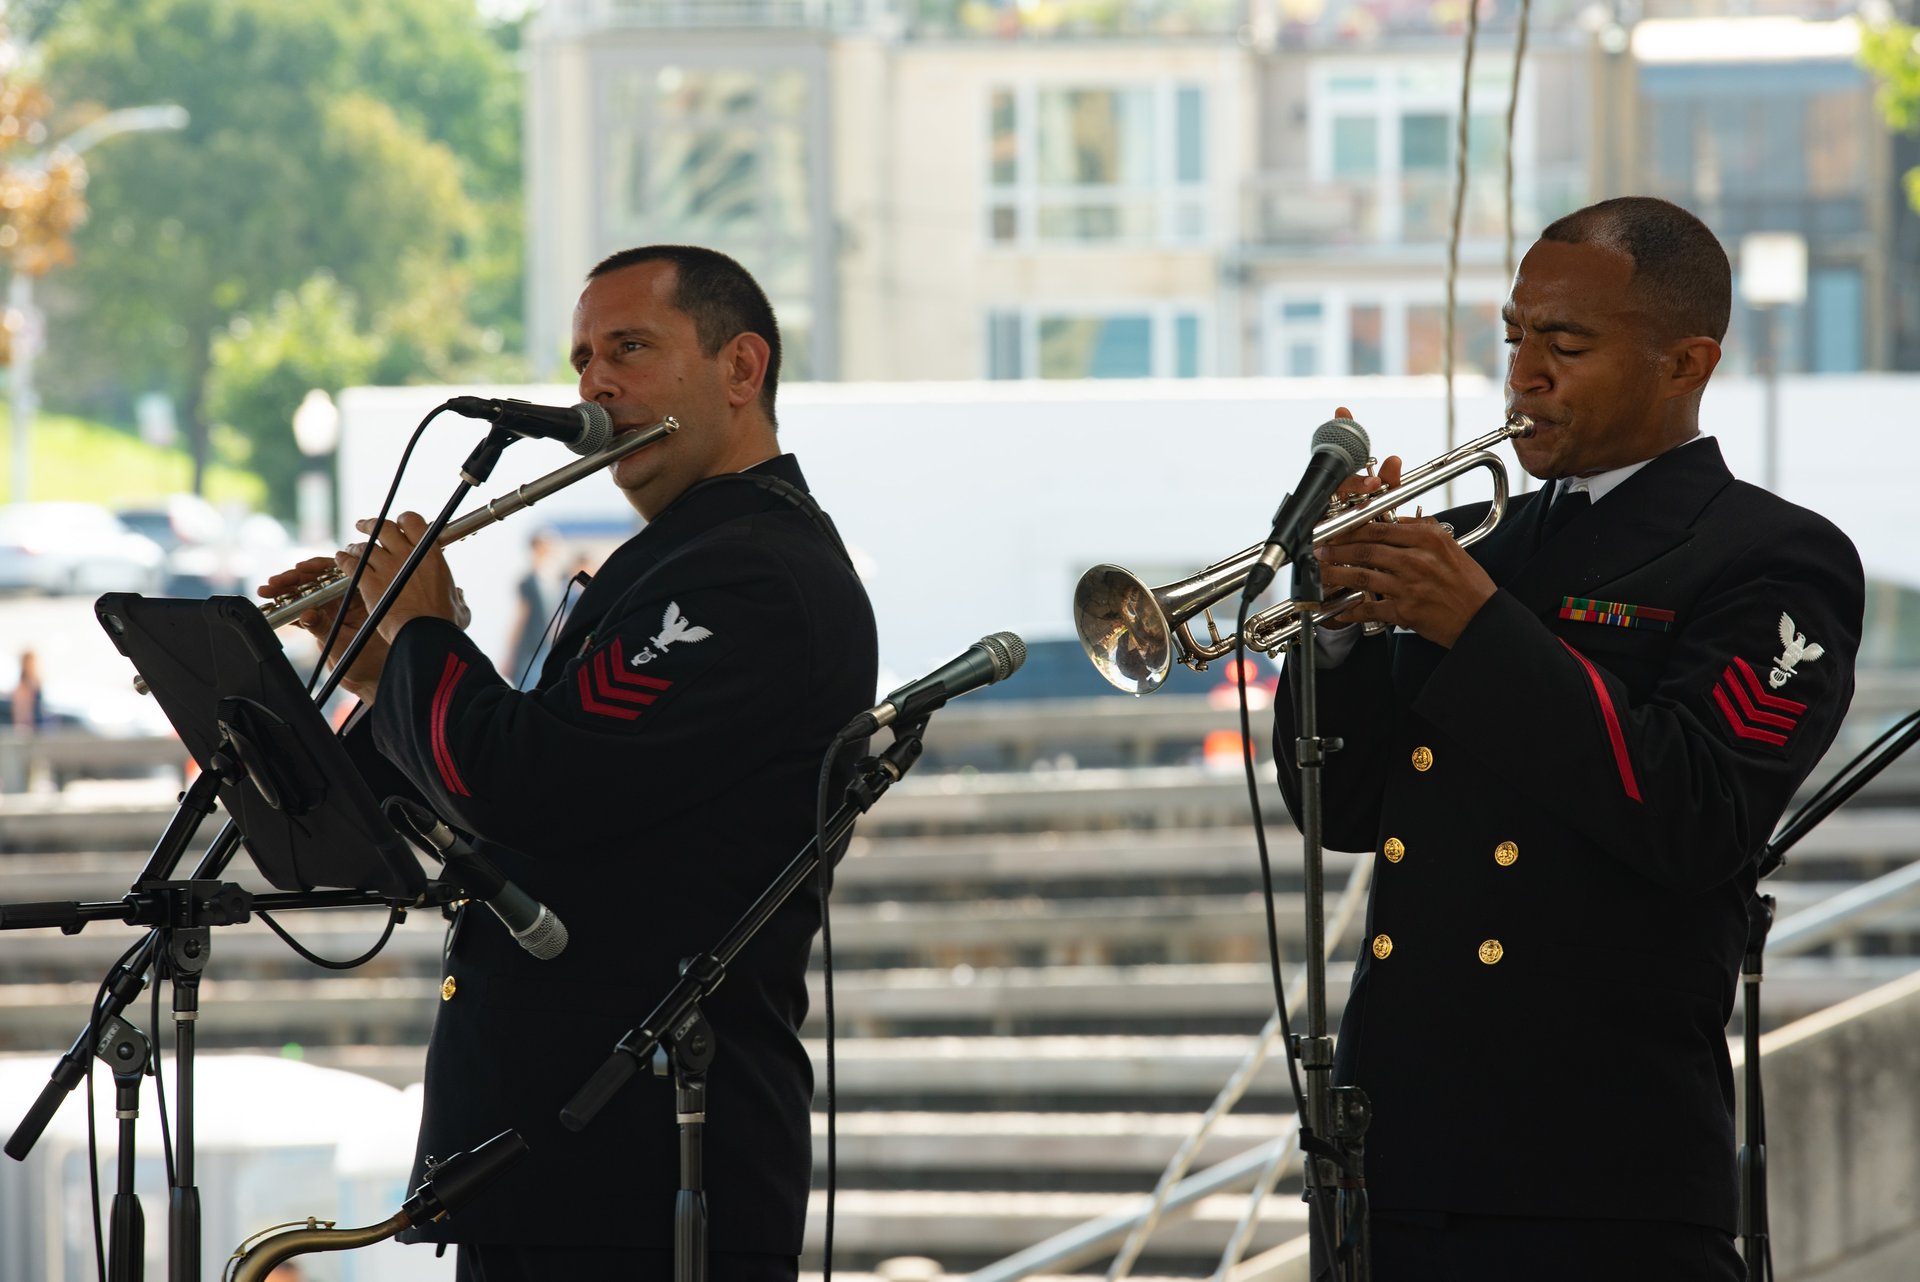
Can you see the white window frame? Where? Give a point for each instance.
(1169, 196)
(1161, 314)
(1389, 100)
(1395, 301)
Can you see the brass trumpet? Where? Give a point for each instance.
(1133, 633)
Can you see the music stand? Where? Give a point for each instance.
(307, 818)
(303, 812)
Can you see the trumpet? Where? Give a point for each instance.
(1133, 633)
(282, 610)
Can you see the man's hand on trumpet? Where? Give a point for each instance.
(1414, 572)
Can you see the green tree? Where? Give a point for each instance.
(375, 141)
(1891, 51)
(262, 366)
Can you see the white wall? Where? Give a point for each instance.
(975, 506)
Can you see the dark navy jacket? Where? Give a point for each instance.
(655, 782)
(1565, 810)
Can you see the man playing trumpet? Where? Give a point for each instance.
(1565, 757)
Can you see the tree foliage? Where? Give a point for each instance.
(1891, 51)
(375, 142)
(262, 366)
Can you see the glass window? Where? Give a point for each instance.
(1356, 146)
(1096, 347)
(1003, 345)
(1186, 346)
(1478, 346)
(1161, 343)
(1366, 331)
(1839, 332)
(1003, 156)
(720, 156)
(1424, 142)
(1098, 164)
(1190, 136)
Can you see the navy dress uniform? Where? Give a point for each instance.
(1565, 810)
(654, 783)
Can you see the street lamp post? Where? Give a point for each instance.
(316, 430)
(1773, 274)
(29, 324)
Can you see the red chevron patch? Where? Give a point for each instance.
(608, 690)
(442, 753)
(1751, 711)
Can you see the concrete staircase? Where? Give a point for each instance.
(1044, 972)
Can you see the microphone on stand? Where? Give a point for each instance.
(530, 922)
(1340, 448)
(990, 659)
(585, 428)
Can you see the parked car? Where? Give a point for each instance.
(74, 549)
(211, 552)
(190, 531)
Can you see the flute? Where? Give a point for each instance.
(330, 586)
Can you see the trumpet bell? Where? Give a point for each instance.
(1123, 629)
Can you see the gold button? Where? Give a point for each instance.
(1491, 951)
(1382, 945)
(1423, 759)
(1396, 850)
(448, 988)
(1505, 853)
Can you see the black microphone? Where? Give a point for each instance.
(1340, 448)
(990, 659)
(584, 428)
(531, 922)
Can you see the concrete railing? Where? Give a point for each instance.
(1842, 1091)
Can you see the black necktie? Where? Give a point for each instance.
(1564, 508)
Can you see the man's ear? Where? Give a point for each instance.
(1689, 363)
(745, 360)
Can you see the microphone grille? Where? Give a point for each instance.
(1347, 437)
(546, 938)
(1008, 652)
(598, 431)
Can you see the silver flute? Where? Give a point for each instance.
(330, 586)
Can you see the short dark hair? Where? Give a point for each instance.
(1679, 266)
(720, 295)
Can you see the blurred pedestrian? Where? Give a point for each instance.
(538, 603)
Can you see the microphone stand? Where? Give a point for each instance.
(1756, 1244)
(1332, 1139)
(675, 1036)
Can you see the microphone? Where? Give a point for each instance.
(1340, 448)
(990, 659)
(531, 922)
(584, 428)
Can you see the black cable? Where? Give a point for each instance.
(1320, 1205)
(393, 919)
(93, 1171)
(551, 633)
(359, 566)
(824, 885)
(159, 1083)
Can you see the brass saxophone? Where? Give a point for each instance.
(448, 1185)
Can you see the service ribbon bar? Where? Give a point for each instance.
(1615, 613)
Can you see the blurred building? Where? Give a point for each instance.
(962, 189)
